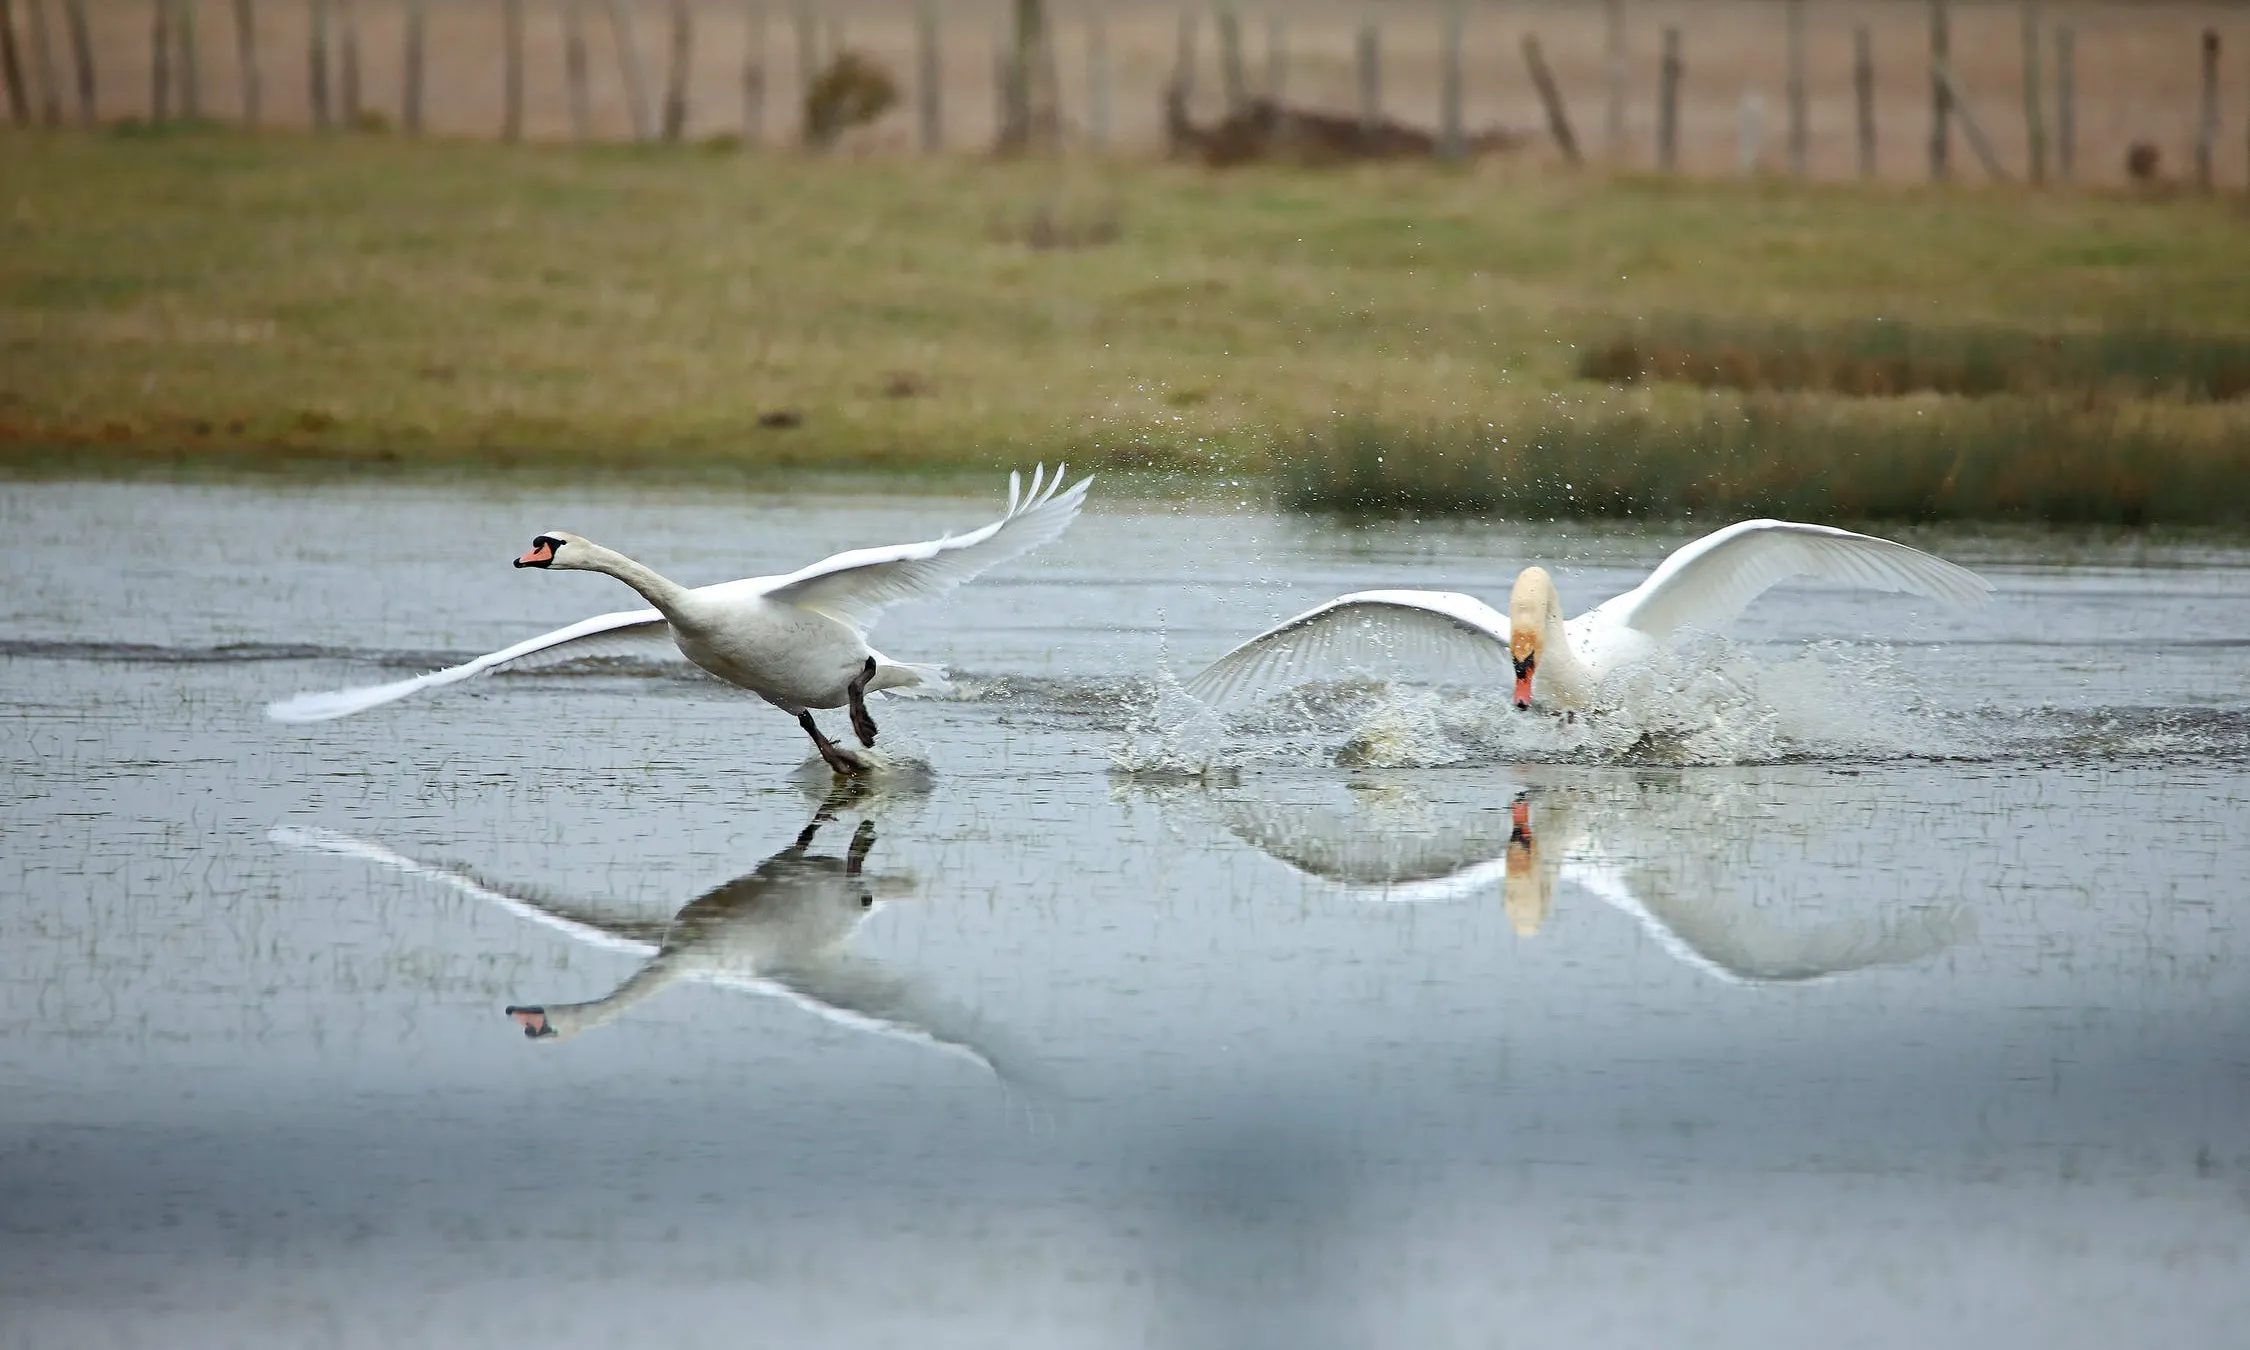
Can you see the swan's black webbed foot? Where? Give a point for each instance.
(533, 1021)
(840, 760)
(863, 726)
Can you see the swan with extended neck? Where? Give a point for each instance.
(797, 641)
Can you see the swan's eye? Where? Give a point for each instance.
(1523, 667)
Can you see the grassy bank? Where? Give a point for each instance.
(1728, 457)
(209, 299)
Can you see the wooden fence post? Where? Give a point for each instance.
(246, 59)
(410, 96)
(511, 88)
(1099, 78)
(43, 60)
(1800, 134)
(82, 59)
(574, 69)
(1668, 104)
(1941, 129)
(347, 56)
(929, 77)
(159, 69)
(1863, 91)
(1613, 74)
(676, 75)
(316, 64)
(754, 74)
(1550, 95)
(629, 64)
(2207, 128)
(1750, 132)
(191, 64)
(1450, 142)
(1234, 79)
(1370, 77)
(1969, 127)
(2066, 102)
(11, 67)
(808, 61)
(1277, 58)
(2034, 99)
(1183, 59)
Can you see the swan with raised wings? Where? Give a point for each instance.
(1409, 634)
(797, 641)
(781, 930)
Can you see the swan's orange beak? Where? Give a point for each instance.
(533, 1021)
(542, 553)
(1524, 667)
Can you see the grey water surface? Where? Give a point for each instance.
(1877, 977)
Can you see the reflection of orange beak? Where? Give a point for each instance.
(1523, 692)
(541, 554)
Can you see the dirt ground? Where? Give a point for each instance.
(2136, 70)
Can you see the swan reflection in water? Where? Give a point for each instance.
(779, 930)
(1657, 853)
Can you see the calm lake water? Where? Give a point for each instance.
(1884, 981)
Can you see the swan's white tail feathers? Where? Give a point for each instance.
(912, 679)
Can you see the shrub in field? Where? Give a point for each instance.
(853, 91)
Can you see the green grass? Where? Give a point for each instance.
(208, 299)
(1726, 456)
(1873, 358)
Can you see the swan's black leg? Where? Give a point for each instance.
(863, 843)
(838, 760)
(863, 726)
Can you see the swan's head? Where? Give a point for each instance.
(534, 1022)
(1532, 606)
(1529, 890)
(555, 548)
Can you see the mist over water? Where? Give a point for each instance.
(1866, 974)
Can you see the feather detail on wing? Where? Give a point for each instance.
(856, 587)
(637, 939)
(633, 630)
(1436, 637)
(1709, 582)
(856, 992)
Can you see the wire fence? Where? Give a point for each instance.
(2028, 90)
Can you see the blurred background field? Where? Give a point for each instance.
(1492, 335)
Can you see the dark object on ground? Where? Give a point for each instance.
(781, 419)
(1265, 130)
(852, 92)
(2142, 162)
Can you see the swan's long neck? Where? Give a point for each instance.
(658, 589)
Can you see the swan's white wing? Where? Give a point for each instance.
(1436, 858)
(1708, 582)
(607, 936)
(1439, 637)
(1744, 944)
(859, 993)
(632, 631)
(856, 587)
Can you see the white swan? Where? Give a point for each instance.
(798, 641)
(780, 930)
(1408, 634)
(1620, 847)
